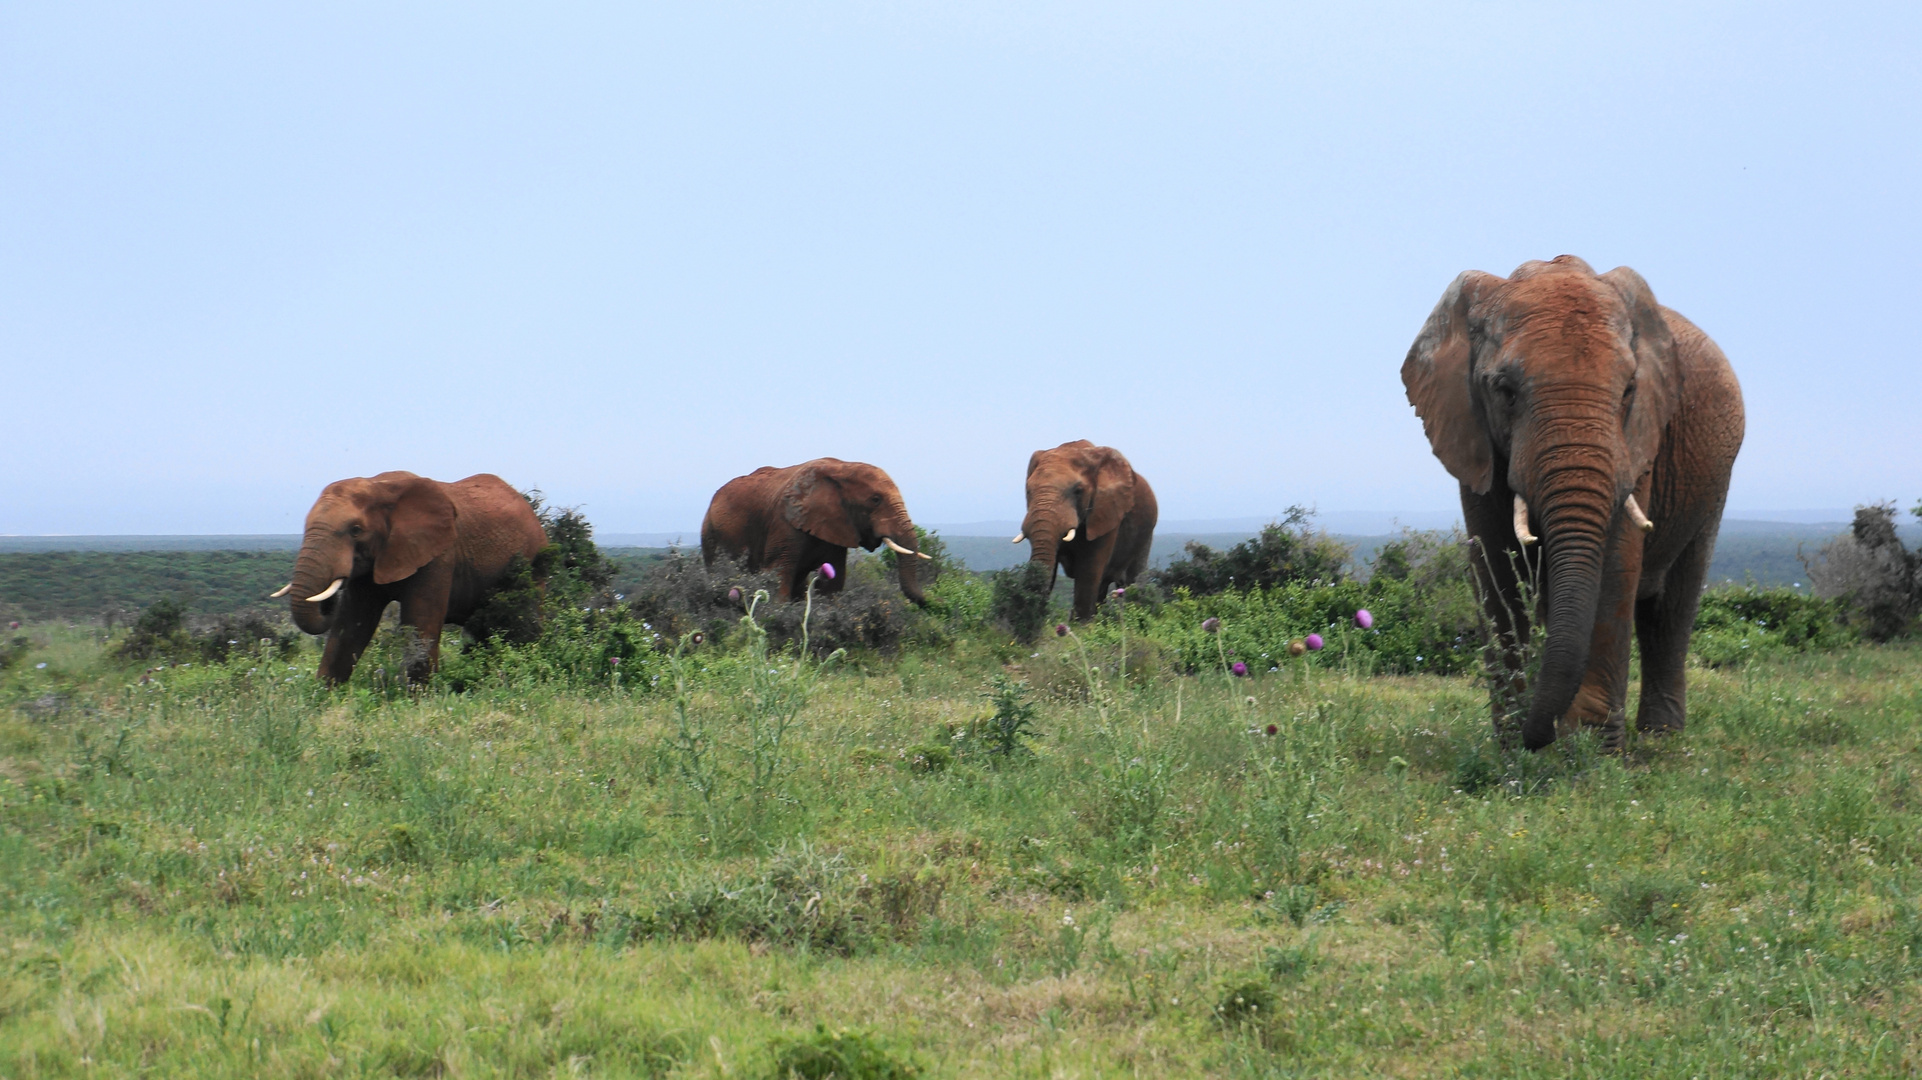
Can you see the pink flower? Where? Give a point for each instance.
(1313, 641)
(1363, 619)
(1210, 625)
(827, 570)
(1272, 729)
(1060, 629)
(734, 595)
(615, 660)
(1239, 669)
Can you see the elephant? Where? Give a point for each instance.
(792, 520)
(440, 549)
(1090, 513)
(1593, 432)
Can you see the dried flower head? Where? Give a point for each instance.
(1314, 642)
(1363, 619)
(698, 637)
(1273, 730)
(1296, 648)
(1060, 629)
(1210, 625)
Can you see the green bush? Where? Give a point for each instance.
(1285, 552)
(836, 1055)
(1020, 599)
(1738, 623)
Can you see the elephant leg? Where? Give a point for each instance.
(424, 610)
(1495, 558)
(810, 554)
(354, 625)
(1602, 700)
(1093, 576)
(1663, 622)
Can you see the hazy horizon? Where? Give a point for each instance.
(623, 255)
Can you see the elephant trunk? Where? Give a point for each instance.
(907, 565)
(1575, 522)
(1046, 525)
(314, 572)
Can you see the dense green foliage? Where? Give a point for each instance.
(1283, 553)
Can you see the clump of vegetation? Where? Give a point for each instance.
(839, 1054)
(161, 632)
(1876, 578)
(1738, 623)
(1020, 601)
(1285, 552)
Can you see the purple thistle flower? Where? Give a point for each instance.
(1314, 642)
(1210, 625)
(1363, 619)
(827, 570)
(734, 595)
(1060, 629)
(1120, 593)
(1272, 729)
(615, 660)
(1239, 669)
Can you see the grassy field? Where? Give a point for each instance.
(229, 871)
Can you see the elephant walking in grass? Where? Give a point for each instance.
(1090, 513)
(1593, 432)
(792, 520)
(439, 549)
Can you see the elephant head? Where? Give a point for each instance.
(1554, 385)
(384, 527)
(852, 504)
(1075, 491)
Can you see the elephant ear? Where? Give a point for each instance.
(1436, 377)
(1657, 375)
(420, 528)
(1114, 491)
(812, 504)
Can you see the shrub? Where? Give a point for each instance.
(1878, 580)
(1286, 551)
(836, 1055)
(162, 633)
(1020, 599)
(1738, 623)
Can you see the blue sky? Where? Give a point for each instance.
(627, 252)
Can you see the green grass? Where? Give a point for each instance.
(229, 871)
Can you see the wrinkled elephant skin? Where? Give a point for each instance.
(1572, 407)
(1093, 515)
(438, 549)
(792, 520)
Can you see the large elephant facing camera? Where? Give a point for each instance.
(439, 549)
(1090, 513)
(1593, 432)
(791, 520)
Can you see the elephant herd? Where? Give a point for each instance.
(1592, 432)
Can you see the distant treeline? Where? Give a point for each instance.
(91, 585)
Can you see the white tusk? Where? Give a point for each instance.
(1018, 537)
(898, 549)
(282, 591)
(1068, 537)
(1640, 519)
(924, 555)
(1521, 522)
(331, 590)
